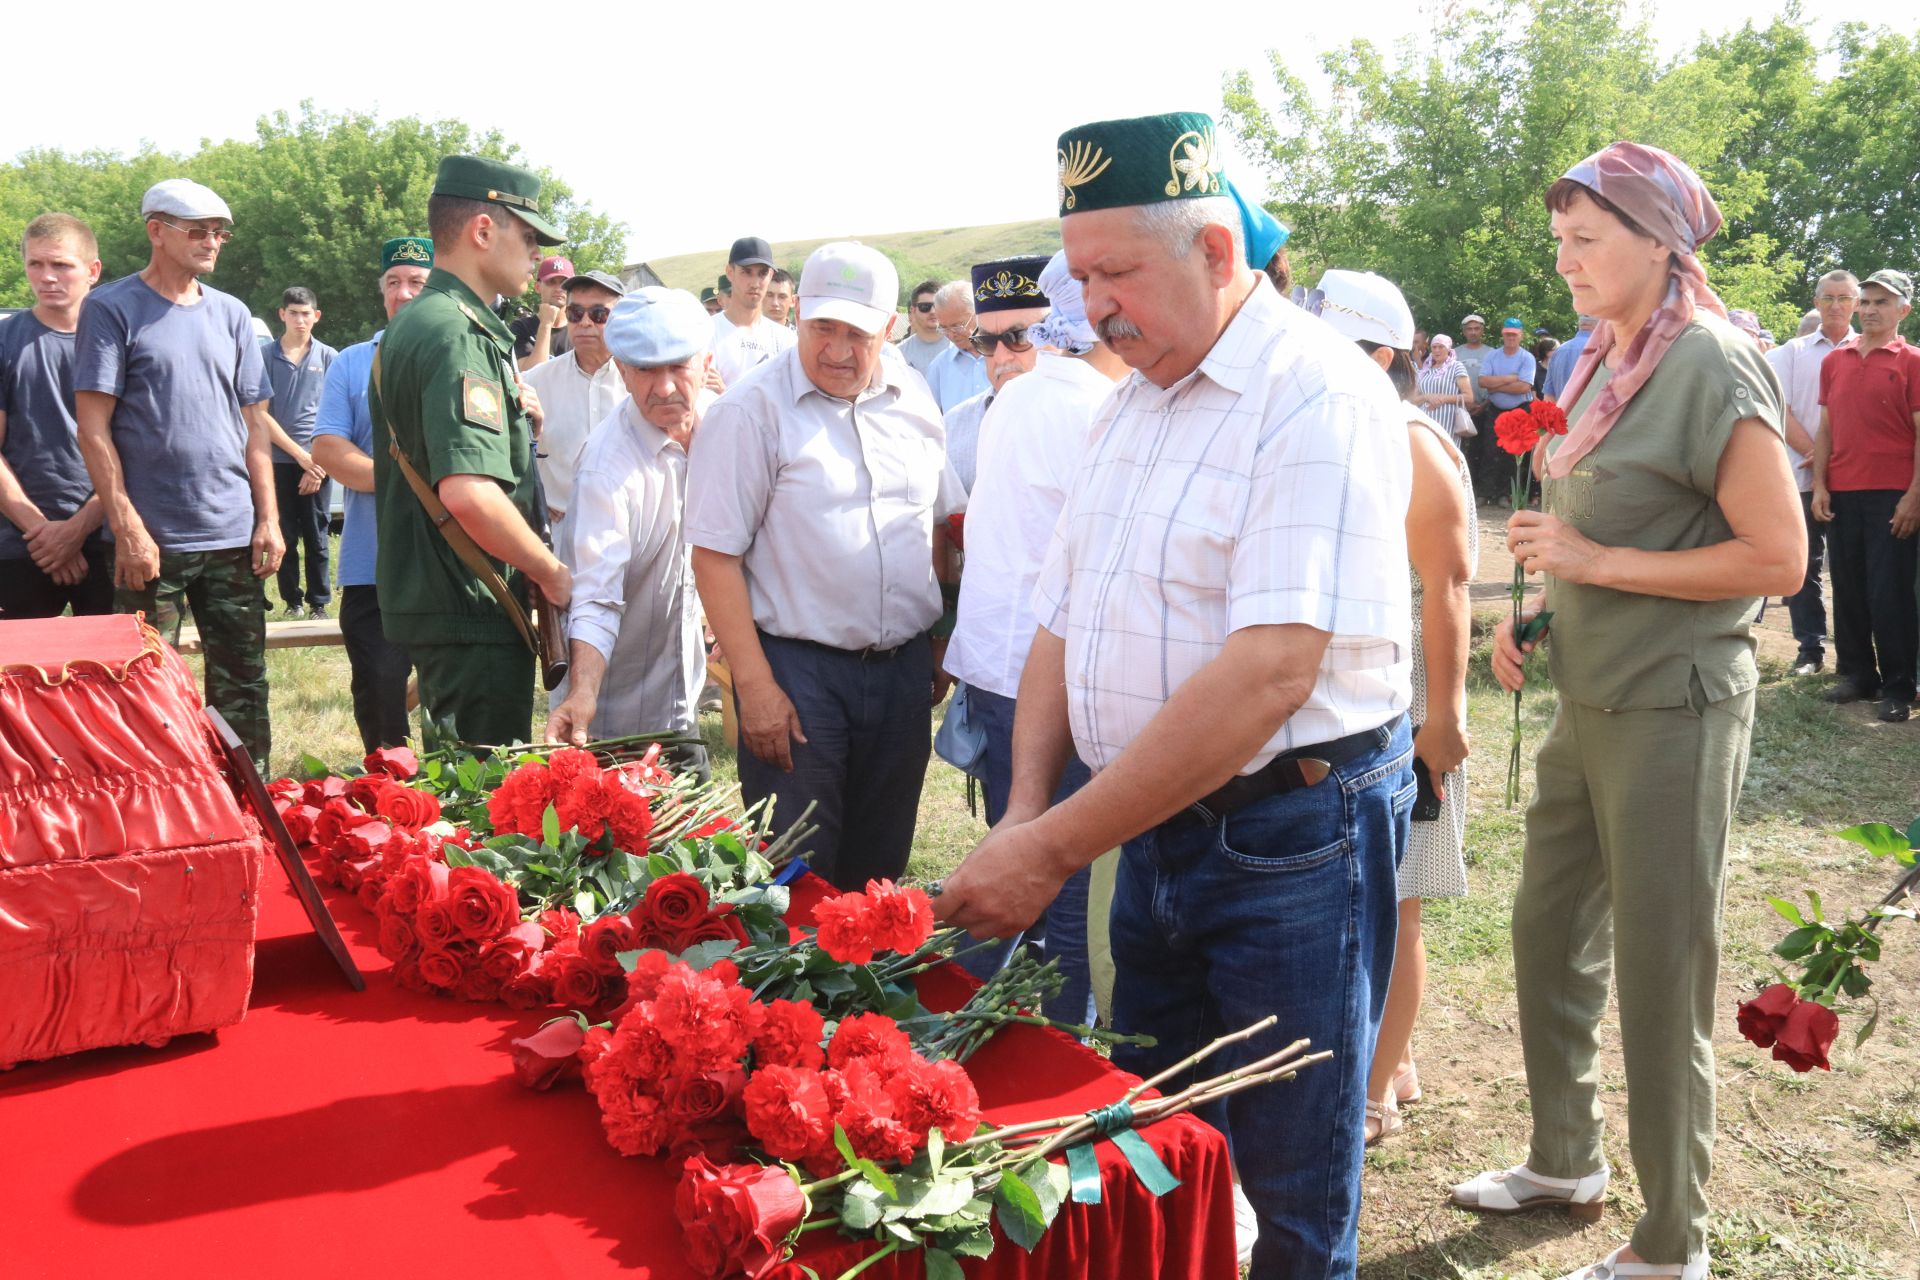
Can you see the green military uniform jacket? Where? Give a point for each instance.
(446, 391)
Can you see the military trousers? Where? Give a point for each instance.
(229, 607)
(1624, 876)
(482, 692)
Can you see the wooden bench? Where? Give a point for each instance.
(305, 633)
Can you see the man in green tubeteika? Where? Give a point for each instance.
(445, 391)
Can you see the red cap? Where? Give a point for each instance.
(555, 266)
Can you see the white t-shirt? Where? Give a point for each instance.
(738, 348)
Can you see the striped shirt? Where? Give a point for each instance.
(1267, 487)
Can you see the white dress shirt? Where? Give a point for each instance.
(1031, 443)
(574, 402)
(738, 348)
(1267, 487)
(1796, 362)
(830, 503)
(633, 596)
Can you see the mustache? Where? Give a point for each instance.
(661, 402)
(1115, 327)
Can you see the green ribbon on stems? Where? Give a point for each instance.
(1115, 1123)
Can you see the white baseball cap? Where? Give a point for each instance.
(183, 198)
(849, 282)
(1366, 308)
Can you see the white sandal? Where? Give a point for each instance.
(1609, 1269)
(1582, 1198)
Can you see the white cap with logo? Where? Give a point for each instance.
(183, 198)
(849, 282)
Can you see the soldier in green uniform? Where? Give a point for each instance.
(445, 391)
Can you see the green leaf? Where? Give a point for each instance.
(901, 1232)
(860, 1207)
(936, 1150)
(455, 856)
(1788, 911)
(1913, 836)
(941, 1266)
(313, 767)
(584, 904)
(550, 827)
(1050, 1183)
(1819, 912)
(1018, 1210)
(701, 955)
(868, 1169)
(1800, 942)
(976, 1243)
(1860, 1036)
(1878, 839)
(1855, 982)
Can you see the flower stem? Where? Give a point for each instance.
(893, 1247)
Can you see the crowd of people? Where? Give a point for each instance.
(1194, 544)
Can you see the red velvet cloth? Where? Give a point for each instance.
(128, 875)
(383, 1134)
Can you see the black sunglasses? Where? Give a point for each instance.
(576, 313)
(923, 307)
(1015, 338)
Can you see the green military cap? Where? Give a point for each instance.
(406, 251)
(475, 178)
(707, 294)
(1112, 163)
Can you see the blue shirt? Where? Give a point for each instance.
(296, 390)
(1499, 364)
(42, 445)
(1560, 364)
(342, 411)
(180, 375)
(956, 375)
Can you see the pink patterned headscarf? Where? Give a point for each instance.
(1670, 203)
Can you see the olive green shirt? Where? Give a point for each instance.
(1650, 484)
(446, 390)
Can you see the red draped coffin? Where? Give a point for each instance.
(129, 876)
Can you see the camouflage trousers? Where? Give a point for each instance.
(229, 606)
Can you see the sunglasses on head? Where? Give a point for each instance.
(924, 308)
(1015, 338)
(576, 313)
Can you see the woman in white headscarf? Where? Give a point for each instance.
(1443, 389)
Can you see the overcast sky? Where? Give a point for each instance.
(785, 120)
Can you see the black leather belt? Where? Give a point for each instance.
(1288, 771)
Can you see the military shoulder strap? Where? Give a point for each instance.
(476, 560)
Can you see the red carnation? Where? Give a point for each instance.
(562, 923)
(643, 980)
(708, 1022)
(735, 1219)
(1761, 1018)
(873, 1130)
(549, 1055)
(1551, 417)
(790, 1036)
(934, 1095)
(483, 906)
(406, 807)
(398, 763)
(1516, 431)
(869, 1037)
(629, 814)
(841, 928)
(788, 1112)
(636, 1124)
(1806, 1035)
(519, 803)
(602, 940)
(675, 902)
(898, 919)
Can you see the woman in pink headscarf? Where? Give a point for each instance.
(1669, 510)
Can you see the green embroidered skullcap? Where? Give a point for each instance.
(1112, 163)
(495, 181)
(406, 251)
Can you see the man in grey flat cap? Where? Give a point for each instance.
(170, 394)
(634, 633)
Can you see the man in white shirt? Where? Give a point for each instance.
(924, 339)
(744, 339)
(959, 372)
(779, 301)
(577, 389)
(1797, 363)
(814, 505)
(638, 663)
(1224, 637)
(1007, 303)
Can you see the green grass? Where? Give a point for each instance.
(944, 254)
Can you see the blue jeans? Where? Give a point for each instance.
(1060, 934)
(869, 725)
(1286, 906)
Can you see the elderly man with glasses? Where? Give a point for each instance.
(577, 390)
(170, 395)
(959, 372)
(1007, 301)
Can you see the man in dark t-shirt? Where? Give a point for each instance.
(551, 280)
(54, 550)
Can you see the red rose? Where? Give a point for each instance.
(790, 1036)
(299, 820)
(529, 989)
(1551, 417)
(704, 1096)
(372, 889)
(351, 875)
(363, 840)
(1516, 431)
(870, 1037)
(406, 807)
(483, 906)
(398, 941)
(714, 928)
(435, 924)
(1806, 1035)
(406, 976)
(365, 790)
(898, 919)
(335, 813)
(934, 1095)
(395, 762)
(841, 928)
(549, 1055)
(675, 902)
(477, 985)
(574, 979)
(321, 790)
(507, 956)
(788, 1112)
(735, 1219)
(284, 789)
(602, 940)
(440, 968)
(1760, 1018)
(417, 883)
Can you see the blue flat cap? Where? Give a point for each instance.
(654, 326)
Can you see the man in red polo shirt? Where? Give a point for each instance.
(1866, 481)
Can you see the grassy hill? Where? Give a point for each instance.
(919, 255)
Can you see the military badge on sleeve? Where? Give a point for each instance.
(480, 402)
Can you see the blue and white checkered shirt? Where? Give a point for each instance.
(1267, 487)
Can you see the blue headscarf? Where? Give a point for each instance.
(1263, 233)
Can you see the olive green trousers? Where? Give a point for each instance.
(484, 692)
(1625, 875)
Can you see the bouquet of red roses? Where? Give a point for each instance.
(1519, 432)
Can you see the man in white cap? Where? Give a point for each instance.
(634, 637)
(814, 505)
(578, 389)
(170, 394)
(744, 338)
(1224, 639)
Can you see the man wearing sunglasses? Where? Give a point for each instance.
(924, 340)
(576, 391)
(170, 395)
(1006, 301)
